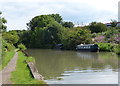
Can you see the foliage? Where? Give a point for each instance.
(57, 18)
(75, 36)
(97, 27)
(117, 49)
(2, 23)
(112, 35)
(22, 74)
(6, 47)
(43, 20)
(68, 24)
(45, 32)
(7, 53)
(106, 46)
(21, 47)
(30, 59)
(10, 37)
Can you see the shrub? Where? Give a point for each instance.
(106, 46)
(30, 59)
(9, 47)
(117, 49)
(21, 47)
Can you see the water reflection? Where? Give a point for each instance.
(87, 55)
(56, 65)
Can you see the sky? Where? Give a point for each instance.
(19, 12)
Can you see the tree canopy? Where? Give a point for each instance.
(68, 24)
(97, 27)
(43, 20)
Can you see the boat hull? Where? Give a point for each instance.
(88, 47)
(90, 50)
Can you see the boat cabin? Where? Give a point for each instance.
(87, 47)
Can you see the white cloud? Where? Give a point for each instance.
(19, 12)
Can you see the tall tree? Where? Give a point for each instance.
(57, 17)
(43, 20)
(44, 30)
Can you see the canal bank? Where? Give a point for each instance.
(6, 72)
(23, 73)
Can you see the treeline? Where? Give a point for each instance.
(45, 31)
(6, 44)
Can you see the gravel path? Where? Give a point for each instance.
(5, 74)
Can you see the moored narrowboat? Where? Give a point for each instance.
(87, 47)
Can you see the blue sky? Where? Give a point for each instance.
(20, 12)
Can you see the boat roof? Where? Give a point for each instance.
(86, 45)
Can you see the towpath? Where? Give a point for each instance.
(5, 74)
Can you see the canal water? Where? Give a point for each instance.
(72, 67)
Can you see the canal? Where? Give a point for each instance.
(72, 67)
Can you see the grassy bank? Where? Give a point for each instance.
(6, 58)
(22, 74)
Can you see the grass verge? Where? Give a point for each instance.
(6, 58)
(22, 74)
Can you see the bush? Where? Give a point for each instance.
(6, 47)
(30, 59)
(21, 47)
(9, 47)
(106, 46)
(117, 49)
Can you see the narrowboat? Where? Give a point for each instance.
(87, 47)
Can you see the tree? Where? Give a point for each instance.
(21, 47)
(44, 31)
(54, 29)
(43, 20)
(2, 23)
(76, 36)
(97, 27)
(68, 24)
(57, 17)
(10, 37)
(46, 37)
